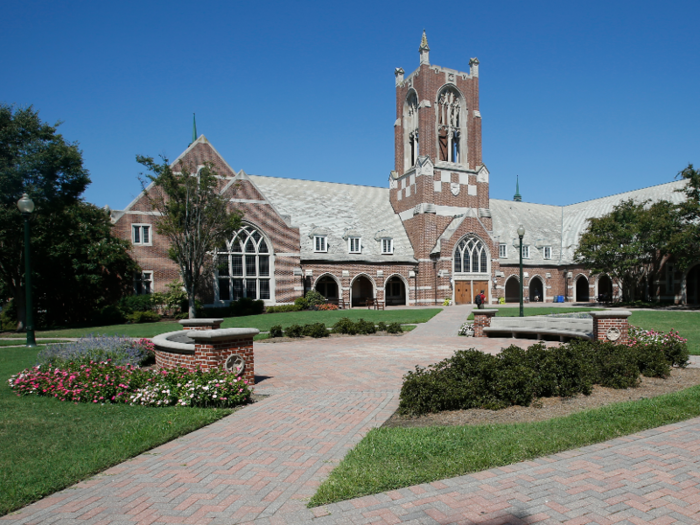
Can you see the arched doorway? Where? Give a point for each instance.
(327, 287)
(395, 291)
(536, 290)
(692, 285)
(513, 290)
(362, 289)
(605, 289)
(582, 295)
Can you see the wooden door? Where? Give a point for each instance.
(481, 285)
(463, 292)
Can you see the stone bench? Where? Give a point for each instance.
(609, 325)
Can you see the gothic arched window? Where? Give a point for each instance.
(450, 107)
(471, 256)
(410, 126)
(243, 266)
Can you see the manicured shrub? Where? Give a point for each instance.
(294, 330)
(276, 331)
(142, 317)
(674, 346)
(119, 350)
(651, 360)
(137, 303)
(109, 315)
(283, 308)
(365, 327)
(381, 326)
(617, 365)
(394, 328)
(301, 301)
(315, 330)
(314, 298)
(344, 326)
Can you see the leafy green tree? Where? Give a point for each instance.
(192, 215)
(685, 245)
(77, 264)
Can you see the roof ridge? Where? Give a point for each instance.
(623, 192)
(319, 181)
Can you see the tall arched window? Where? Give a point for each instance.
(243, 266)
(471, 256)
(410, 126)
(450, 109)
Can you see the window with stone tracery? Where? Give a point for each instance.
(243, 266)
(410, 127)
(450, 116)
(471, 256)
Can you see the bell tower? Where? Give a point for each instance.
(438, 173)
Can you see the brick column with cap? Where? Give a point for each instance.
(482, 319)
(611, 325)
(201, 324)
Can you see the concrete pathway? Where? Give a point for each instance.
(261, 464)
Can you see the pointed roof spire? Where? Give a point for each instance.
(424, 50)
(517, 197)
(194, 127)
(424, 43)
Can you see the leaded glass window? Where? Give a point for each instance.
(243, 267)
(471, 256)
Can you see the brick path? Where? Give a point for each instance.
(261, 464)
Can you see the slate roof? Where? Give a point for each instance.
(338, 210)
(561, 226)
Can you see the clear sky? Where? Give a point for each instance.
(580, 99)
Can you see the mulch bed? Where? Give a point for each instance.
(550, 407)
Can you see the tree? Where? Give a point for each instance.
(192, 215)
(685, 245)
(36, 160)
(78, 265)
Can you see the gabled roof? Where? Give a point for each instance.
(333, 209)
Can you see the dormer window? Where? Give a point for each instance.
(503, 250)
(320, 244)
(547, 252)
(526, 251)
(354, 245)
(387, 246)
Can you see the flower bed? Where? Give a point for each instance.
(107, 382)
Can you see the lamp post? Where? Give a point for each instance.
(521, 233)
(26, 206)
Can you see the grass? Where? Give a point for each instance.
(392, 458)
(262, 322)
(685, 323)
(47, 445)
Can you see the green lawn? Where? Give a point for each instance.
(23, 342)
(685, 323)
(392, 458)
(47, 445)
(261, 322)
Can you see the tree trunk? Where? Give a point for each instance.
(191, 307)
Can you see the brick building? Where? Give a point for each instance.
(434, 233)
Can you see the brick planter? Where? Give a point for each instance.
(611, 325)
(207, 349)
(482, 319)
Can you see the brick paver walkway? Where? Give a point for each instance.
(261, 464)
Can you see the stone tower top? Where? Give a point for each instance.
(424, 50)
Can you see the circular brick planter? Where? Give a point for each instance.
(227, 348)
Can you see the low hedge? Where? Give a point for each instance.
(474, 379)
(283, 308)
(350, 327)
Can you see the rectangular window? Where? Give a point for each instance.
(143, 283)
(387, 245)
(503, 250)
(526, 251)
(141, 234)
(225, 289)
(547, 252)
(320, 243)
(250, 266)
(237, 265)
(264, 288)
(264, 268)
(251, 288)
(354, 245)
(237, 288)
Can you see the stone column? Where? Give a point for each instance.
(201, 324)
(482, 319)
(611, 325)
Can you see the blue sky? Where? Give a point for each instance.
(580, 99)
